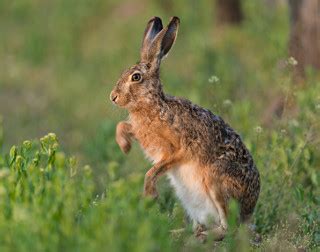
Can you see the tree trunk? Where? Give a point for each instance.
(304, 43)
(229, 11)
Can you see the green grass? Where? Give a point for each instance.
(59, 61)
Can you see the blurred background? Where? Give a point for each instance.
(60, 59)
(255, 63)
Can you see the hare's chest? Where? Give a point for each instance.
(155, 140)
(189, 187)
(156, 148)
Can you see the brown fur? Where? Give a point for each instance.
(173, 131)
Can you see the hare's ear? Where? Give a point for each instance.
(170, 36)
(163, 42)
(154, 26)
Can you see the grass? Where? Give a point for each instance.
(59, 61)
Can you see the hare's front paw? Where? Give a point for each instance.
(124, 143)
(123, 136)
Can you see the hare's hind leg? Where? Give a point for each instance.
(220, 229)
(221, 205)
(216, 230)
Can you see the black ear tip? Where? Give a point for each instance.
(156, 23)
(175, 20)
(155, 19)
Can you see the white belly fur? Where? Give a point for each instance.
(189, 189)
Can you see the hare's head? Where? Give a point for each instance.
(140, 84)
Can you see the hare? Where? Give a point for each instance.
(205, 159)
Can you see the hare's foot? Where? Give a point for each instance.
(217, 233)
(200, 233)
(123, 136)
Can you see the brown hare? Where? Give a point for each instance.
(204, 158)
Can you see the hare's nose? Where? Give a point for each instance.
(113, 97)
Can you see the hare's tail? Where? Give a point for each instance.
(249, 200)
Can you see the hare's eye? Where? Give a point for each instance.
(136, 77)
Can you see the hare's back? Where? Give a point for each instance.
(203, 132)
